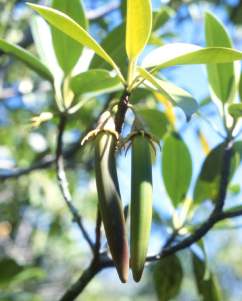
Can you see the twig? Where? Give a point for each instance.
(98, 233)
(63, 183)
(122, 109)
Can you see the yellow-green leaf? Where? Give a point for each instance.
(138, 27)
(71, 28)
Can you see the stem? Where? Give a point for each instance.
(122, 109)
(63, 183)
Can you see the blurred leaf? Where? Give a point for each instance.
(176, 95)
(208, 288)
(222, 77)
(68, 26)
(95, 82)
(167, 276)
(234, 189)
(138, 26)
(161, 17)
(207, 184)
(9, 269)
(188, 54)
(155, 121)
(68, 51)
(114, 45)
(26, 57)
(176, 167)
(235, 110)
(240, 88)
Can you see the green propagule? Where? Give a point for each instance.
(110, 204)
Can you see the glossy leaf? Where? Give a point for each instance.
(176, 95)
(68, 51)
(222, 77)
(207, 184)
(188, 54)
(27, 58)
(176, 167)
(209, 288)
(138, 27)
(167, 276)
(113, 44)
(68, 26)
(95, 82)
(154, 121)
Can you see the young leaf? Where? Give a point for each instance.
(176, 167)
(176, 95)
(188, 54)
(68, 51)
(167, 276)
(68, 26)
(208, 288)
(138, 27)
(207, 184)
(27, 58)
(114, 46)
(95, 82)
(222, 77)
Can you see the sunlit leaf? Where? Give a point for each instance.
(138, 26)
(188, 54)
(68, 51)
(176, 167)
(68, 26)
(176, 95)
(222, 77)
(95, 81)
(27, 58)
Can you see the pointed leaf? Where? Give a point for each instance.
(209, 288)
(68, 51)
(222, 77)
(167, 276)
(176, 95)
(27, 58)
(113, 44)
(138, 27)
(176, 167)
(95, 82)
(207, 184)
(68, 26)
(188, 54)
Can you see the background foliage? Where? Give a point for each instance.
(42, 251)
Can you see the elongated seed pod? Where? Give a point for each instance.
(141, 204)
(110, 202)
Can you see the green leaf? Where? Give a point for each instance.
(95, 82)
(222, 77)
(235, 110)
(68, 26)
(167, 276)
(68, 51)
(161, 17)
(188, 54)
(113, 44)
(207, 184)
(27, 58)
(176, 167)
(9, 268)
(138, 27)
(209, 288)
(174, 94)
(240, 88)
(154, 120)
